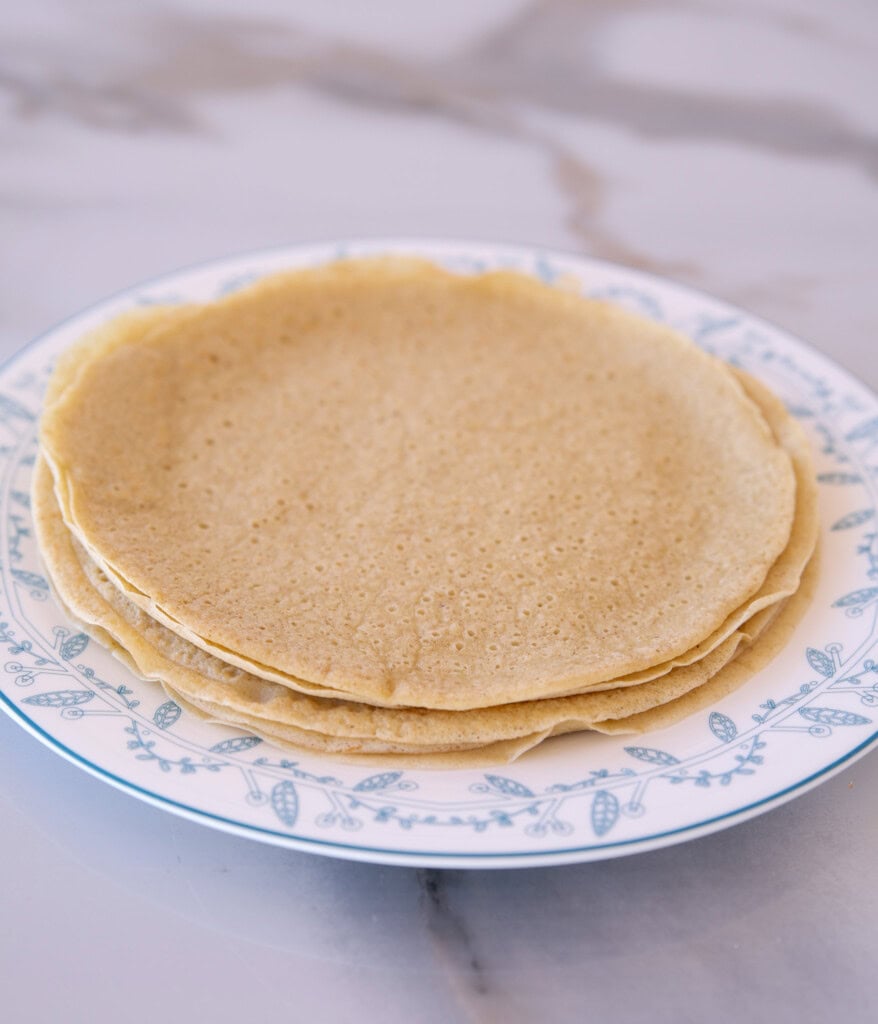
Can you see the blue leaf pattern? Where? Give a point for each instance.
(854, 519)
(856, 597)
(839, 478)
(166, 714)
(285, 802)
(509, 787)
(651, 756)
(864, 430)
(820, 662)
(236, 745)
(31, 579)
(380, 781)
(722, 727)
(59, 698)
(832, 716)
(604, 812)
(9, 407)
(73, 646)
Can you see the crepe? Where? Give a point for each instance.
(225, 692)
(317, 723)
(771, 630)
(781, 580)
(398, 485)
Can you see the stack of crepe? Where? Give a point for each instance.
(380, 508)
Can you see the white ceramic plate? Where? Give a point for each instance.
(808, 714)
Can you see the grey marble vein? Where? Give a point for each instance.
(541, 58)
(449, 932)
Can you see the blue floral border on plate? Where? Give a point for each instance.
(56, 663)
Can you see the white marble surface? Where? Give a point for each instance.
(730, 145)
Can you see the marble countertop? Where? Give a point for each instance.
(729, 145)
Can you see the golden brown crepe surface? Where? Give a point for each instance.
(478, 490)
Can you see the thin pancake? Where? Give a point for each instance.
(781, 581)
(332, 725)
(751, 658)
(488, 435)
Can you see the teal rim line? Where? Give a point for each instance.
(413, 855)
(50, 741)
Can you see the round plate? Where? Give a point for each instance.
(809, 713)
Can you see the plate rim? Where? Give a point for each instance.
(388, 855)
(437, 859)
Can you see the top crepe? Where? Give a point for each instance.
(420, 488)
